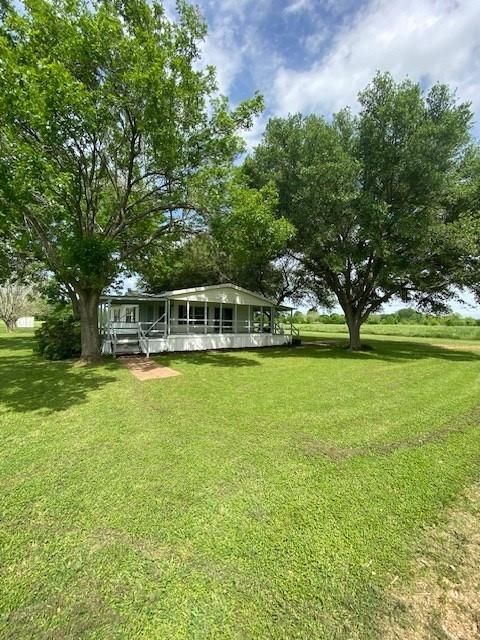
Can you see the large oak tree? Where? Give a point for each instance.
(106, 122)
(368, 195)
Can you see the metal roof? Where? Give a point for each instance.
(148, 297)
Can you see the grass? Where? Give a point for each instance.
(403, 330)
(444, 599)
(263, 494)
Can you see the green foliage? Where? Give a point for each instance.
(430, 330)
(367, 195)
(58, 337)
(402, 316)
(243, 244)
(106, 120)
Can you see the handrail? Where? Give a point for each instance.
(161, 319)
(114, 341)
(111, 337)
(143, 341)
(278, 328)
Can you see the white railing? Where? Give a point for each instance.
(109, 336)
(146, 331)
(216, 326)
(160, 324)
(143, 341)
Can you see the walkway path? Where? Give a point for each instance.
(144, 369)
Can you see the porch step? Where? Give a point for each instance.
(130, 348)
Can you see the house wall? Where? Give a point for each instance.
(227, 295)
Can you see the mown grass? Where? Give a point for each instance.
(263, 494)
(402, 330)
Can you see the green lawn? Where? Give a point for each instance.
(263, 494)
(403, 330)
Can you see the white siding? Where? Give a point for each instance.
(26, 322)
(227, 295)
(215, 341)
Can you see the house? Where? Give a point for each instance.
(25, 322)
(223, 316)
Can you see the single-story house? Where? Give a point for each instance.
(223, 316)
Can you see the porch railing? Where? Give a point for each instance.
(143, 341)
(159, 328)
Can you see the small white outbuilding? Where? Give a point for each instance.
(25, 322)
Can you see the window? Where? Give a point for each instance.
(197, 313)
(130, 314)
(125, 313)
(182, 314)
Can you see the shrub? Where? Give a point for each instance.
(58, 338)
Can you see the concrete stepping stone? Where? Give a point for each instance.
(144, 369)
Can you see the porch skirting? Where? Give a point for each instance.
(211, 341)
(215, 341)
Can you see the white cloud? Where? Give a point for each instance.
(431, 40)
(233, 44)
(298, 5)
(221, 50)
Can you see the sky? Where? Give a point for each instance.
(316, 55)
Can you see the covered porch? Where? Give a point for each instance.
(177, 320)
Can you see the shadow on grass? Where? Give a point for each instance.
(383, 350)
(29, 383)
(15, 341)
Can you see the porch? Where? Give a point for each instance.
(216, 317)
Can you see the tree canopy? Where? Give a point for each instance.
(242, 242)
(106, 122)
(371, 196)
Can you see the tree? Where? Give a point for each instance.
(463, 204)
(106, 122)
(16, 300)
(367, 195)
(242, 243)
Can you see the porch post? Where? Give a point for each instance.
(249, 316)
(291, 322)
(205, 317)
(167, 317)
(235, 323)
(188, 316)
(272, 320)
(221, 318)
(261, 319)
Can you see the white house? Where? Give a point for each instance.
(222, 316)
(25, 322)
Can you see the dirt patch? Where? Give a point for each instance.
(458, 346)
(144, 369)
(442, 602)
(314, 447)
(104, 538)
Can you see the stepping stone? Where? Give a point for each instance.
(144, 369)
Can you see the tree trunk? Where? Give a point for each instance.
(354, 324)
(88, 309)
(10, 324)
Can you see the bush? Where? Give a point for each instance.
(59, 337)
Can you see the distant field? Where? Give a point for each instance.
(407, 330)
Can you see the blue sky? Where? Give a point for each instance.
(315, 55)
